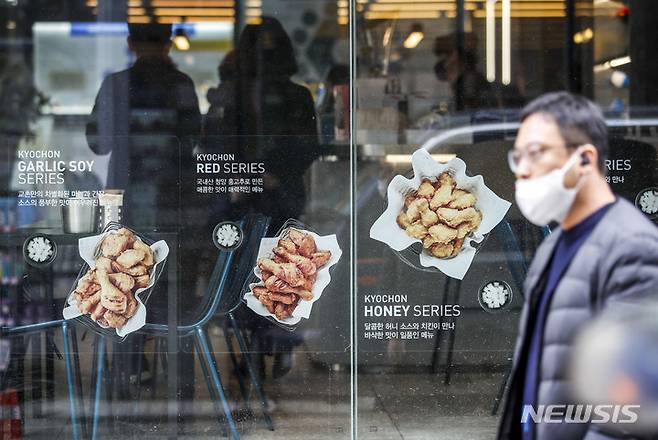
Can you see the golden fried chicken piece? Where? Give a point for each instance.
(285, 298)
(263, 296)
(142, 281)
(441, 197)
(463, 230)
(149, 259)
(416, 208)
(127, 233)
(114, 244)
(306, 265)
(105, 264)
(457, 246)
(123, 281)
(455, 217)
(132, 306)
(98, 312)
(288, 245)
(476, 220)
(281, 311)
(428, 241)
(114, 320)
(426, 189)
(111, 297)
(87, 305)
(274, 284)
(265, 275)
(288, 272)
(461, 199)
(135, 271)
(403, 220)
(440, 250)
(304, 242)
(417, 230)
(88, 284)
(130, 257)
(321, 258)
(445, 179)
(442, 233)
(409, 200)
(429, 218)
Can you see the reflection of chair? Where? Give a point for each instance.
(70, 360)
(518, 277)
(518, 269)
(231, 326)
(225, 276)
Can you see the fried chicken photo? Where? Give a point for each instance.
(304, 242)
(290, 273)
(87, 305)
(461, 199)
(455, 217)
(123, 281)
(441, 216)
(274, 284)
(130, 257)
(321, 258)
(114, 244)
(111, 297)
(149, 259)
(304, 264)
(442, 233)
(105, 264)
(142, 281)
(135, 271)
(426, 189)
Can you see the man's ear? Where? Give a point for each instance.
(589, 158)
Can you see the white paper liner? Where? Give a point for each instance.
(87, 248)
(303, 309)
(492, 207)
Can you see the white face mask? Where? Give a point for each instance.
(545, 199)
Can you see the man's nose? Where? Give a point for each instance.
(523, 169)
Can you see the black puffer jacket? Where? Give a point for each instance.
(617, 262)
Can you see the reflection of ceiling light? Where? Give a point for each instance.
(615, 62)
(180, 40)
(583, 36)
(415, 36)
(11, 25)
(406, 158)
(388, 33)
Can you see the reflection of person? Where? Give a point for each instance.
(270, 119)
(262, 116)
(147, 116)
(614, 363)
(470, 88)
(150, 101)
(603, 252)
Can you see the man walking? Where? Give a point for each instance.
(603, 252)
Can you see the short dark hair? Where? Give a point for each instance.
(580, 121)
(149, 33)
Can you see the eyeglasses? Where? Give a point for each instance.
(532, 153)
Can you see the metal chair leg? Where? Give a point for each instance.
(78, 380)
(254, 378)
(236, 368)
(100, 365)
(204, 350)
(69, 382)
